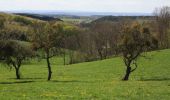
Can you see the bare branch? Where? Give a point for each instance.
(135, 66)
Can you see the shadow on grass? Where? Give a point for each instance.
(27, 78)
(72, 81)
(17, 82)
(156, 79)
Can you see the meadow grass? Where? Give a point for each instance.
(99, 80)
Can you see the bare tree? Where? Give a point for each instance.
(71, 41)
(105, 36)
(163, 23)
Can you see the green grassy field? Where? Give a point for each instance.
(100, 80)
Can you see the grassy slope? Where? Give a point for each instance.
(99, 80)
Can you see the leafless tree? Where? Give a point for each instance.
(163, 24)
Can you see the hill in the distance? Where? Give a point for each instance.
(40, 17)
(119, 18)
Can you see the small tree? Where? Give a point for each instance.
(47, 37)
(134, 43)
(13, 53)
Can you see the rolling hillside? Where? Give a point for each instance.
(100, 80)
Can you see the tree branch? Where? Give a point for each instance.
(135, 66)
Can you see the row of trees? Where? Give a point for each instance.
(24, 39)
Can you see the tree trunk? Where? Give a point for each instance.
(17, 67)
(106, 51)
(71, 57)
(100, 54)
(49, 66)
(128, 71)
(64, 58)
(17, 73)
(64, 55)
(49, 69)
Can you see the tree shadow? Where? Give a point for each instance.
(156, 79)
(27, 78)
(31, 78)
(71, 81)
(17, 82)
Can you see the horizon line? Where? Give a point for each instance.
(84, 13)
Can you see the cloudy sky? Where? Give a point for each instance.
(142, 6)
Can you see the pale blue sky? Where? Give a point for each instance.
(144, 6)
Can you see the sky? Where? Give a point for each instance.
(134, 6)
